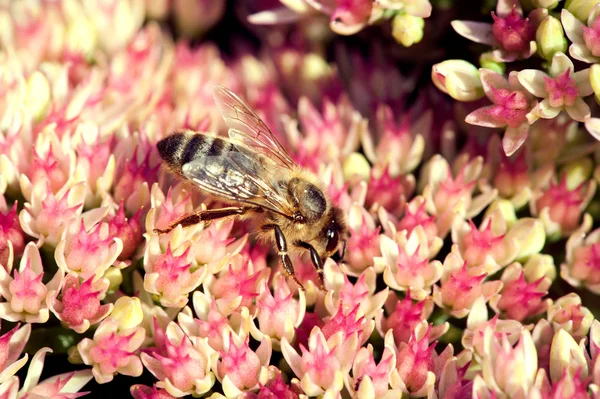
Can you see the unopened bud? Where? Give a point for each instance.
(356, 164)
(37, 98)
(486, 60)
(127, 312)
(577, 172)
(550, 38)
(407, 29)
(459, 79)
(581, 8)
(595, 80)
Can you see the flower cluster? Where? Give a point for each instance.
(464, 246)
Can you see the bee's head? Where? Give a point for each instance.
(336, 232)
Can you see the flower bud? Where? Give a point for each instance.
(127, 312)
(581, 8)
(577, 172)
(115, 277)
(550, 38)
(487, 61)
(459, 79)
(506, 209)
(407, 29)
(530, 235)
(595, 80)
(37, 97)
(538, 266)
(356, 164)
(195, 17)
(81, 37)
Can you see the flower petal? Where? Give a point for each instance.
(593, 127)
(560, 64)
(492, 80)
(533, 81)
(546, 111)
(482, 117)
(281, 15)
(514, 138)
(579, 111)
(479, 32)
(572, 26)
(581, 53)
(582, 80)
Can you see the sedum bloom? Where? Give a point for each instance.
(512, 35)
(63, 386)
(582, 263)
(409, 267)
(318, 369)
(239, 368)
(12, 344)
(12, 237)
(77, 303)
(512, 102)
(184, 368)
(586, 39)
(561, 89)
(568, 314)
(370, 380)
(24, 293)
(112, 351)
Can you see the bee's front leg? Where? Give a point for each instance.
(316, 261)
(207, 216)
(281, 244)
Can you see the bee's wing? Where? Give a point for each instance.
(248, 129)
(240, 177)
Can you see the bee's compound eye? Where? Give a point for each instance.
(333, 238)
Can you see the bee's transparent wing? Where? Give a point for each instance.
(248, 129)
(238, 177)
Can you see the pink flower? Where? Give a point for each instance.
(403, 317)
(185, 368)
(237, 285)
(167, 210)
(25, 294)
(275, 388)
(362, 293)
(460, 287)
(62, 386)
(79, 304)
(477, 323)
(128, 230)
(409, 267)
(562, 89)
(519, 299)
(415, 363)
(501, 360)
(12, 238)
(239, 368)
(512, 102)
(170, 275)
(363, 243)
(12, 344)
(46, 216)
(347, 324)
(319, 370)
(387, 191)
(449, 193)
(586, 39)
(512, 36)
(208, 324)
(112, 351)
(371, 380)
(400, 145)
(52, 163)
(416, 218)
(279, 313)
(87, 252)
(139, 391)
(582, 264)
(134, 182)
(488, 248)
(560, 207)
(568, 314)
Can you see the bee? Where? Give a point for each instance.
(251, 171)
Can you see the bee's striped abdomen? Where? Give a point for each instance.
(184, 147)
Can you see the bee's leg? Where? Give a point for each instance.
(281, 244)
(206, 216)
(316, 260)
